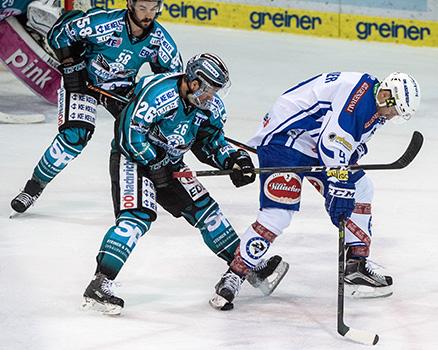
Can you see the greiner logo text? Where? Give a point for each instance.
(285, 19)
(391, 30)
(182, 10)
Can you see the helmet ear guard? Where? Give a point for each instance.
(405, 95)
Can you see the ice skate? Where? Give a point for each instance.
(27, 197)
(362, 282)
(226, 290)
(268, 274)
(99, 297)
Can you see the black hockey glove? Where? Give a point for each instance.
(243, 168)
(75, 76)
(111, 104)
(73, 67)
(160, 170)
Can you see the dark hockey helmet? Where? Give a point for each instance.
(212, 74)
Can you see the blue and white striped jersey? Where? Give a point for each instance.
(326, 117)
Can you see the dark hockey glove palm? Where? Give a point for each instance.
(339, 201)
(243, 168)
(160, 170)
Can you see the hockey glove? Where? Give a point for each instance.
(339, 201)
(243, 168)
(75, 75)
(160, 170)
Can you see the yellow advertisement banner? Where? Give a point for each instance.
(297, 21)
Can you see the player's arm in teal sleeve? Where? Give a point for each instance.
(135, 121)
(211, 147)
(169, 57)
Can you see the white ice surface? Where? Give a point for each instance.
(47, 256)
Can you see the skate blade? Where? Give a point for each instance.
(220, 303)
(269, 284)
(366, 292)
(15, 214)
(105, 308)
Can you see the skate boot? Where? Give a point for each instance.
(99, 297)
(268, 274)
(362, 282)
(226, 290)
(27, 197)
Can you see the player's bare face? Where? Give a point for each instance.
(145, 12)
(389, 111)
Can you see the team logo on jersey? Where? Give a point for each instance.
(256, 247)
(317, 183)
(358, 94)
(283, 188)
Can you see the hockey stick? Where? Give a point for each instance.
(353, 334)
(29, 118)
(241, 145)
(407, 157)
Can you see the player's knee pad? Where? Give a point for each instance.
(118, 244)
(76, 110)
(217, 232)
(131, 189)
(364, 190)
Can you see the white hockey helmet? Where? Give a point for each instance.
(405, 95)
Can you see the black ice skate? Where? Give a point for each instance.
(267, 275)
(362, 282)
(99, 297)
(27, 197)
(226, 290)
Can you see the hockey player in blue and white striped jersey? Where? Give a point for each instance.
(326, 120)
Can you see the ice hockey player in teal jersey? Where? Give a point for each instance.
(105, 48)
(169, 115)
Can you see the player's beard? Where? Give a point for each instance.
(142, 23)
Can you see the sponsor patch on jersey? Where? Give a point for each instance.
(168, 107)
(166, 97)
(163, 55)
(358, 94)
(155, 41)
(341, 141)
(146, 52)
(283, 188)
(103, 38)
(104, 28)
(372, 120)
(199, 118)
(114, 41)
(256, 247)
(167, 47)
(317, 183)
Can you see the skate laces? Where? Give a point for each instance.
(26, 199)
(261, 265)
(232, 282)
(371, 267)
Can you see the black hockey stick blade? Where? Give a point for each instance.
(411, 152)
(407, 157)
